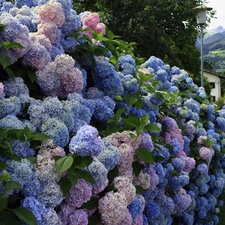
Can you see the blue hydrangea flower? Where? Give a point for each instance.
(37, 208)
(109, 156)
(86, 142)
(176, 147)
(168, 206)
(9, 106)
(179, 181)
(57, 131)
(178, 163)
(104, 109)
(11, 122)
(130, 84)
(154, 62)
(153, 210)
(98, 171)
(50, 194)
(135, 208)
(22, 148)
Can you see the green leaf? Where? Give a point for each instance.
(130, 99)
(139, 189)
(10, 73)
(8, 219)
(85, 175)
(26, 215)
(132, 120)
(151, 127)
(10, 44)
(20, 72)
(3, 166)
(112, 128)
(119, 113)
(32, 159)
(3, 133)
(6, 146)
(65, 185)
(5, 61)
(63, 164)
(145, 155)
(38, 137)
(3, 201)
(94, 219)
(2, 27)
(144, 119)
(31, 74)
(136, 168)
(87, 160)
(92, 203)
(72, 177)
(112, 174)
(10, 185)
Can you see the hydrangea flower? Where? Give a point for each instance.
(86, 142)
(38, 209)
(51, 217)
(124, 185)
(57, 131)
(116, 213)
(79, 194)
(9, 106)
(51, 12)
(59, 78)
(98, 171)
(15, 87)
(109, 156)
(50, 195)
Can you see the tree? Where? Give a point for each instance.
(166, 29)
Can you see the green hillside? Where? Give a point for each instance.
(214, 51)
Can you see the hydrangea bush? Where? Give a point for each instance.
(89, 135)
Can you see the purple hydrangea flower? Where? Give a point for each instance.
(79, 194)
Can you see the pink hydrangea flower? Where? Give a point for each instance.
(127, 219)
(100, 28)
(90, 20)
(41, 39)
(138, 220)
(118, 138)
(113, 208)
(206, 153)
(50, 30)
(125, 186)
(52, 12)
(59, 78)
(201, 138)
(189, 164)
(127, 156)
(45, 166)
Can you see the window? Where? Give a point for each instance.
(212, 85)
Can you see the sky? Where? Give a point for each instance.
(219, 7)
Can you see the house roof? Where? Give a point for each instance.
(216, 74)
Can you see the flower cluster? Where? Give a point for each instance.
(185, 179)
